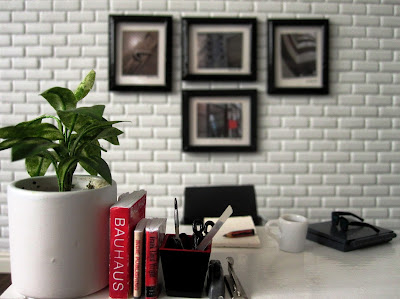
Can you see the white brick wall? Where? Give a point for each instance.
(316, 153)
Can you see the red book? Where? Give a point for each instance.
(124, 216)
(155, 232)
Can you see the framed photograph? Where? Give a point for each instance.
(140, 53)
(298, 56)
(219, 49)
(219, 120)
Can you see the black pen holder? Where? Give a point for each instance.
(184, 269)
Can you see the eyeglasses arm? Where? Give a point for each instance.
(364, 224)
(340, 213)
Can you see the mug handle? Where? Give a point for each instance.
(269, 224)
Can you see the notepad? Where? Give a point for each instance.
(233, 224)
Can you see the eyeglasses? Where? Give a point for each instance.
(336, 216)
(344, 223)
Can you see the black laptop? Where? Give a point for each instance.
(354, 238)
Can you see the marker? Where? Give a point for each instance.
(176, 218)
(177, 239)
(240, 233)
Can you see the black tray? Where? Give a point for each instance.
(358, 237)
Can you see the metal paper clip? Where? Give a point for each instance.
(234, 286)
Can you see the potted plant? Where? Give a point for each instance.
(59, 224)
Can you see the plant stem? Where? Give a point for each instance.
(60, 126)
(65, 181)
(68, 180)
(71, 130)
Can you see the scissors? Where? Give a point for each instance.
(200, 230)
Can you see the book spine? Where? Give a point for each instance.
(120, 248)
(138, 255)
(139, 211)
(151, 267)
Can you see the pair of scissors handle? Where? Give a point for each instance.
(200, 230)
(207, 227)
(197, 226)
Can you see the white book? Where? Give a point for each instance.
(138, 257)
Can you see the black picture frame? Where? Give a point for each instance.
(140, 53)
(298, 56)
(219, 120)
(237, 54)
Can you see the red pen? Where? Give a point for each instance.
(240, 233)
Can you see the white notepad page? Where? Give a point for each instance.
(233, 224)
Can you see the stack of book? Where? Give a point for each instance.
(134, 248)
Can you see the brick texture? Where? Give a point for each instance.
(316, 153)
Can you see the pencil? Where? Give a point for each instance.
(240, 233)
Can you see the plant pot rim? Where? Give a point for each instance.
(35, 184)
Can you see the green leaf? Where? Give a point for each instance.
(60, 152)
(110, 135)
(98, 164)
(31, 122)
(60, 98)
(91, 149)
(86, 116)
(96, 128)
(37, 166)
(8, 143)
(85, 86)
(31, 147)
(43, 130)
(112, 140)
(102, 124)
(90, 133)
(39, 119)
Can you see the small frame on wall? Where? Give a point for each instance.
(219, 49)
(219, 120)
(298, 56)
(140, 53)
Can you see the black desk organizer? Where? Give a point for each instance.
(358, 237)
(184, 269)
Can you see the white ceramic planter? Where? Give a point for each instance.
(59, 240)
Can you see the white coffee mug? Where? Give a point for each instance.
(293, 231)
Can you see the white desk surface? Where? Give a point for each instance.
(318, 272)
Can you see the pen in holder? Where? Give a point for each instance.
(184, 269)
